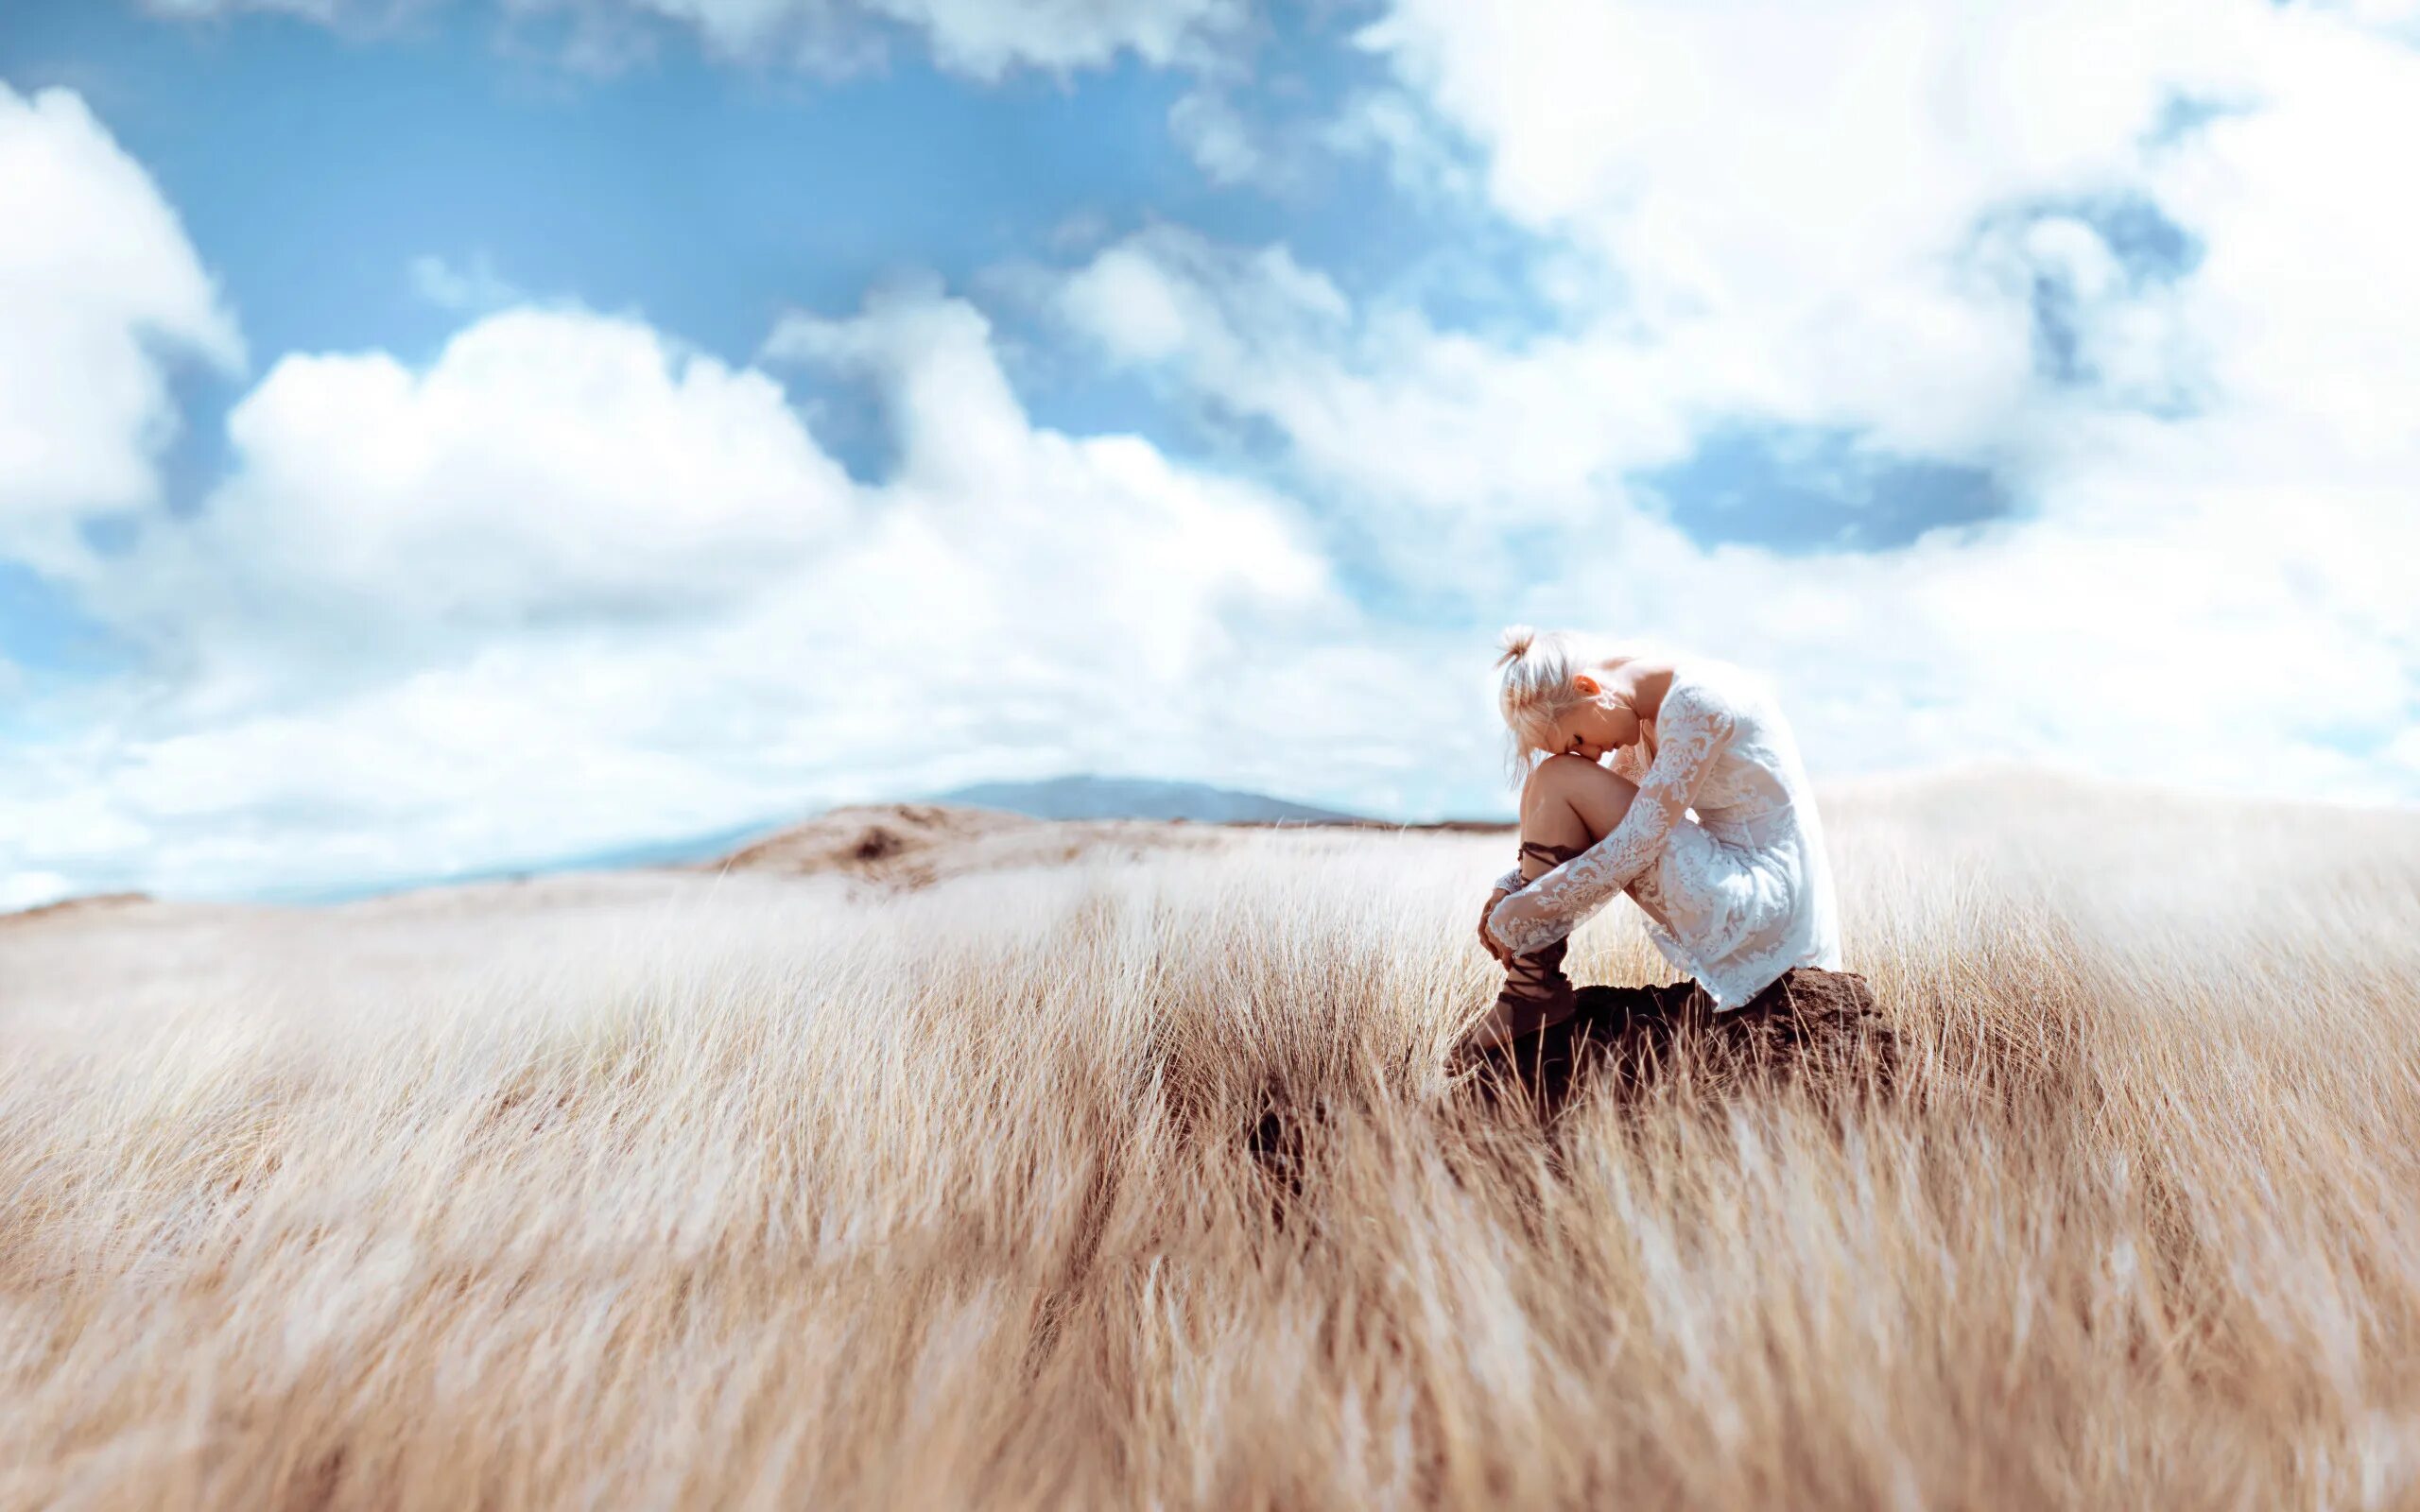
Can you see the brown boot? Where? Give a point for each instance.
(1537, 993)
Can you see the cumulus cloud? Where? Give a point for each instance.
(1789, 201)
(986, 38)
(2149, 282)
(571, 581)
(1217, 136)
(474, 287)
(980, 38)
(568, 585)
(550, 467)
(100, 296)
(1440, 447)
(326, 11)
(1095, 553)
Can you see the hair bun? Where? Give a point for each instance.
(1515, 643)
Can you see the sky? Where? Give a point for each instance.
(439, 437)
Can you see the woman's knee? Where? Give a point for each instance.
(1576, 785)
(1546, 796)
(1543, 772)
(1563, 777)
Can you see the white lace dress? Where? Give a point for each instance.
(1735, 899)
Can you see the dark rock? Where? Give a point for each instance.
(1819, 1027)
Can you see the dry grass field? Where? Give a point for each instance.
(917, 1173)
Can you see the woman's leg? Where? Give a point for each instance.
(1569, 805)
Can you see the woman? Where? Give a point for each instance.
(1735, 899)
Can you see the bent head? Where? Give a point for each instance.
(1554, 697)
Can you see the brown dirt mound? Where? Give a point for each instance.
(910, 844)
(886, 842)
(97, 903)
(1821, 1027)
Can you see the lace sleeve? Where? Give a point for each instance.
(1691, 733)
(1631, 761)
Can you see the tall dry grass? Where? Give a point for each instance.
(772, 1195)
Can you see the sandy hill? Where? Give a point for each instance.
(914, 844)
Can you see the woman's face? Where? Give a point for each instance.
(1599, 725)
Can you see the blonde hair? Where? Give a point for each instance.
(1535, 688)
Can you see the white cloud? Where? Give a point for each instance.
(1823, 221)
(980, 38)
(986, 38)
(476, 289)
(1096, 552)
(572, 582)
(100, 294)
(549, 468)
(1143, 311)
(1786, 199)
(411, 644)
(326, 11)
(1217, 136)
(361, 19)
(1443, 444)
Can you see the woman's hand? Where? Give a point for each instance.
(1487, 940)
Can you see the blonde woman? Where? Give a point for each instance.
(1733, 897)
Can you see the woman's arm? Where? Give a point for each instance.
(1636, 760)
(1693, 732)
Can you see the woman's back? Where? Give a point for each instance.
(1756, 774)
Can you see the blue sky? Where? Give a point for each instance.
(1325, 340)
(314, 168)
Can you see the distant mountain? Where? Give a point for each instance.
(1084, 796)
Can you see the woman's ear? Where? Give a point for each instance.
(1588, 686)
